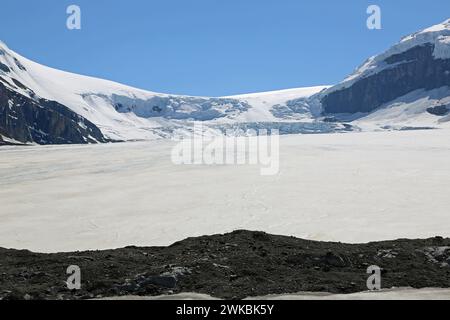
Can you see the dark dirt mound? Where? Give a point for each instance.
(231, 266)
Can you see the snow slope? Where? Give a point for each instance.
(409, 111)
(126, 113)
(70, 90)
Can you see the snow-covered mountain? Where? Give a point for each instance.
(125, 113)
(408, 86)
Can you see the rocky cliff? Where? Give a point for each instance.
(42, 121)
(411, 70)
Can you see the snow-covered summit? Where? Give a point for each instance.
(437, 35)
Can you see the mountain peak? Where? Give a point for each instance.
(437, 35)
(415, 69)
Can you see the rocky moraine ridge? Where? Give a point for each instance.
(231, 266)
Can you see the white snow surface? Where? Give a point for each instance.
(353, 187)
(265, 101)
(408, 111)
(391, 294)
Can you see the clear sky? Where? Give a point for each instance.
(212, 47)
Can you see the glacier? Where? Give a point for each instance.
(355, 187)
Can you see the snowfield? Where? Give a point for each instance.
(392, 294)
(354, 187)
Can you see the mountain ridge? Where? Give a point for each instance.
(413, 77)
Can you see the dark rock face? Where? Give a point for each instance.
(230, 266)
(42, 121)
(439, 110)
(412, 70)
(4, 68)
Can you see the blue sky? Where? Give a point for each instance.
(212, 47)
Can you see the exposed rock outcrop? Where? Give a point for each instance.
(441, 110)
(411, 70)
(42, 121)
